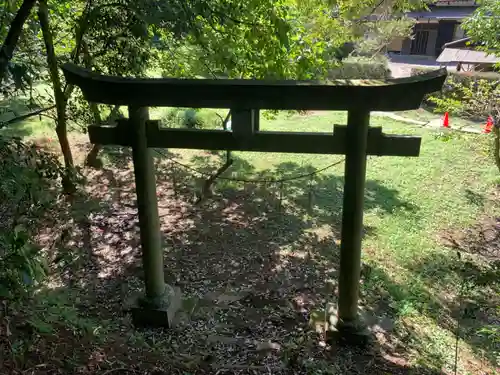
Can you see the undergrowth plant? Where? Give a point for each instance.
(21, 264)
(27, 173)
(468, 97)
(476, 99)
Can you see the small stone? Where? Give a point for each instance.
(211, 296)
(175, 303)
(230, 298)
(386, 324)
(216, 339)
(189, 304)
(267, 346)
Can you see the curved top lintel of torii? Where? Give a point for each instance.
(367, 95)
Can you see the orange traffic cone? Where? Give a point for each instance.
(488, 127)
(446, 120)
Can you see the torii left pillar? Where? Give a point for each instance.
(155, 306)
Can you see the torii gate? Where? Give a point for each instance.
(245, 98)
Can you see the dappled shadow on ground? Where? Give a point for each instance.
(469, 309)
(255, 263)
(477, 265)
(475, 306)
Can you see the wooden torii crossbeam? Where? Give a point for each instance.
(245, 98)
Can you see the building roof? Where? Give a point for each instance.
(466, 56)
(454, 2)
(443, 13)
(464, 42)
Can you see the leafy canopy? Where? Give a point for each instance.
(484, 26)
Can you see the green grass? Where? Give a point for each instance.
(34, 127)
(420, 114)
(31, 128)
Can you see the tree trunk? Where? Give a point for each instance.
(15, 31)
(60, 98)
(91, 159)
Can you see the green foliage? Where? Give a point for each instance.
(269, 39)
(49, 310)
(117, 39)
(381, 33)
(468, 98)
(484, 26)
(467, 94)
(192, 118)
(25, 170)
(492, 333)
(225, 40)
(21, 264)
(23, 67)
(26, 173)
(361, 68)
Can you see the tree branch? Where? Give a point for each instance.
(15, 31)
(224, 15)
(59, 95)
(26, 116)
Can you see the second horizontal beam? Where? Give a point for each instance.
(287, 142)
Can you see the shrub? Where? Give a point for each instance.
(191, 118)
(473, 99)
(26, 174)
(22, 265)
(494, 76)
(468, 94)
(361, 68)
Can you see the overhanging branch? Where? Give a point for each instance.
(26, 116)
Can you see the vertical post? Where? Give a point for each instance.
(244, 122)
(352, 218)
(145, 184)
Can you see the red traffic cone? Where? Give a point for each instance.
(446, 120)
(488, 127)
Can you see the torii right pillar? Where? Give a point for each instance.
(347, 323)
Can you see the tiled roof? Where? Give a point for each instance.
(442, 13)
(467, 56)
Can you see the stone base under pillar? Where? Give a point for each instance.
(351, 333)
(159, 314)
(147, 317)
